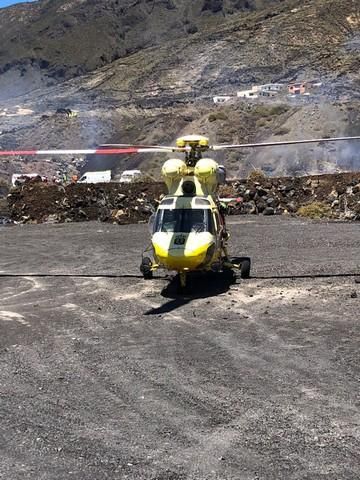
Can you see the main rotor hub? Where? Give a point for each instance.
(197, 143)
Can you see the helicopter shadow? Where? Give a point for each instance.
(199, 285)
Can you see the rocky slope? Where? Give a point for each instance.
(163, 91)
(330, 196)
(53, 40)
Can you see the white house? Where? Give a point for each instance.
(271, 87)
(253, 93)
(257, 90)
(268, 93)
(221, 99)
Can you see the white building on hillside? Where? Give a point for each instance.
(221, 99)
(253, 93)
(269, 89)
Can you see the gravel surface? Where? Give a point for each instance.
(107, 376)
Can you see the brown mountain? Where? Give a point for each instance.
(51, 40)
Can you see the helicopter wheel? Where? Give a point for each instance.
(245, 268)
(245, 265)
(145, 268)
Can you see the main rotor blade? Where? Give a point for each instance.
(285, 142)
(128, 145)
(96, 151)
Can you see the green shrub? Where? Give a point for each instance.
(261, 122)
(4, 183)
(270, 111)
(282, 131)
(315, 210)
(227, 191)
(221, 115)
(256, 175)
(278, 109)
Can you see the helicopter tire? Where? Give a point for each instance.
(145, 268)
(245, 265)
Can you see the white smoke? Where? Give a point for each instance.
(348, 156)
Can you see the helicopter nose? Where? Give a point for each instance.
(189, 256)
(186, 259)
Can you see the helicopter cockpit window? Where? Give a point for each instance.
(201, 201)
(167, 201)
(184, 220)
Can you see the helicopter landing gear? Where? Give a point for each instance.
(245, 267)
(229, 274)
(182, 279)
(146, 268)
(241, 263)
(182, 286)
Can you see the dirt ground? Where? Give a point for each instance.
(107, 376)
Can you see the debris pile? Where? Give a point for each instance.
(330, 196)
(335, 196)
(37, 202)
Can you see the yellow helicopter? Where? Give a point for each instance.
(188, 231)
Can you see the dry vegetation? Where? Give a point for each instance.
(315, 210)
(256, 175)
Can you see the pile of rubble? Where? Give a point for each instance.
(334, 196)
(38, 202)
(338, 195)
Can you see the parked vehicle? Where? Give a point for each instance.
(96, 177)
(129, 176)
(20, 178)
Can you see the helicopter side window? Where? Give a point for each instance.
(210, 222)
(184, 220)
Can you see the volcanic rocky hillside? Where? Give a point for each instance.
(52, 40)
(162, 63)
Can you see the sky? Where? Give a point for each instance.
(6, 3)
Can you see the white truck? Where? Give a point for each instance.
(129, 176)
(96, 177)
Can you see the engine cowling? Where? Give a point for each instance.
(204, 177)
(210, 174)
(173, 171)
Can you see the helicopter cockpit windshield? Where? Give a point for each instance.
(184, 220)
